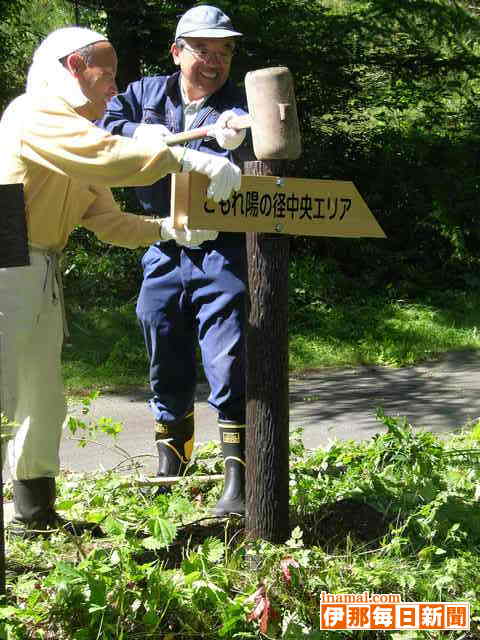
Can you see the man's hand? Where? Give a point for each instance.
(151, 133)
(184, 237)
(227, 138)
(225, 176)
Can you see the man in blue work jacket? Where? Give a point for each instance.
(193, 292)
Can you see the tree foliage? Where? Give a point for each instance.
(23, 24)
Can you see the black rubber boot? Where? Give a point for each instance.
(174, 444)
(232, 438)
(35, 515)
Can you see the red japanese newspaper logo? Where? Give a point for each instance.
(350, 611)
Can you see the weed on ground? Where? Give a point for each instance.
(396, 514)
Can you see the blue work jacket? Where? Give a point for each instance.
(157, 100)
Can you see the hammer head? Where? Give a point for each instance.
(271, 104)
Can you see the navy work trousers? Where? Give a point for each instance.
(189, 295)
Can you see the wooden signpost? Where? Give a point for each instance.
(13, 253)
(269, 208)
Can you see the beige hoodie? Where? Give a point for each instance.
(67, 163)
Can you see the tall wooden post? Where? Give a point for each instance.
(13, 253)
(276, 137)
(267, 499)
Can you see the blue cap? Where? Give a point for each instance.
(205, 21)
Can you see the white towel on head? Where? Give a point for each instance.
(48, 75)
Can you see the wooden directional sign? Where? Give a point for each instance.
(269, 204)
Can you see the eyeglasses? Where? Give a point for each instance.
(205, 56)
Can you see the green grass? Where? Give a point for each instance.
(398, 513)
(383, 332)
(106, 348)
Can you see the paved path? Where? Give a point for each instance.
(328, 403)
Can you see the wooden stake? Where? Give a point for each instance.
(267, 379)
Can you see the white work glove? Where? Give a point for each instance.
(225, 176)
(227, 138)
(195, 237)
(184, 237)
(151, 133)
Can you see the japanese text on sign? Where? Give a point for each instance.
(270, 204)
(281, 205)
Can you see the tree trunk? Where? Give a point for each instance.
(122, 30)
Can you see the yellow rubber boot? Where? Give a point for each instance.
(175, 445)
(232, 438)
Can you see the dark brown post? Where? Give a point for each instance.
(276, 137)
(13, 253)
(267, 499)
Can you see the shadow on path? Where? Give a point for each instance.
(439, 396)
(329, 403)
